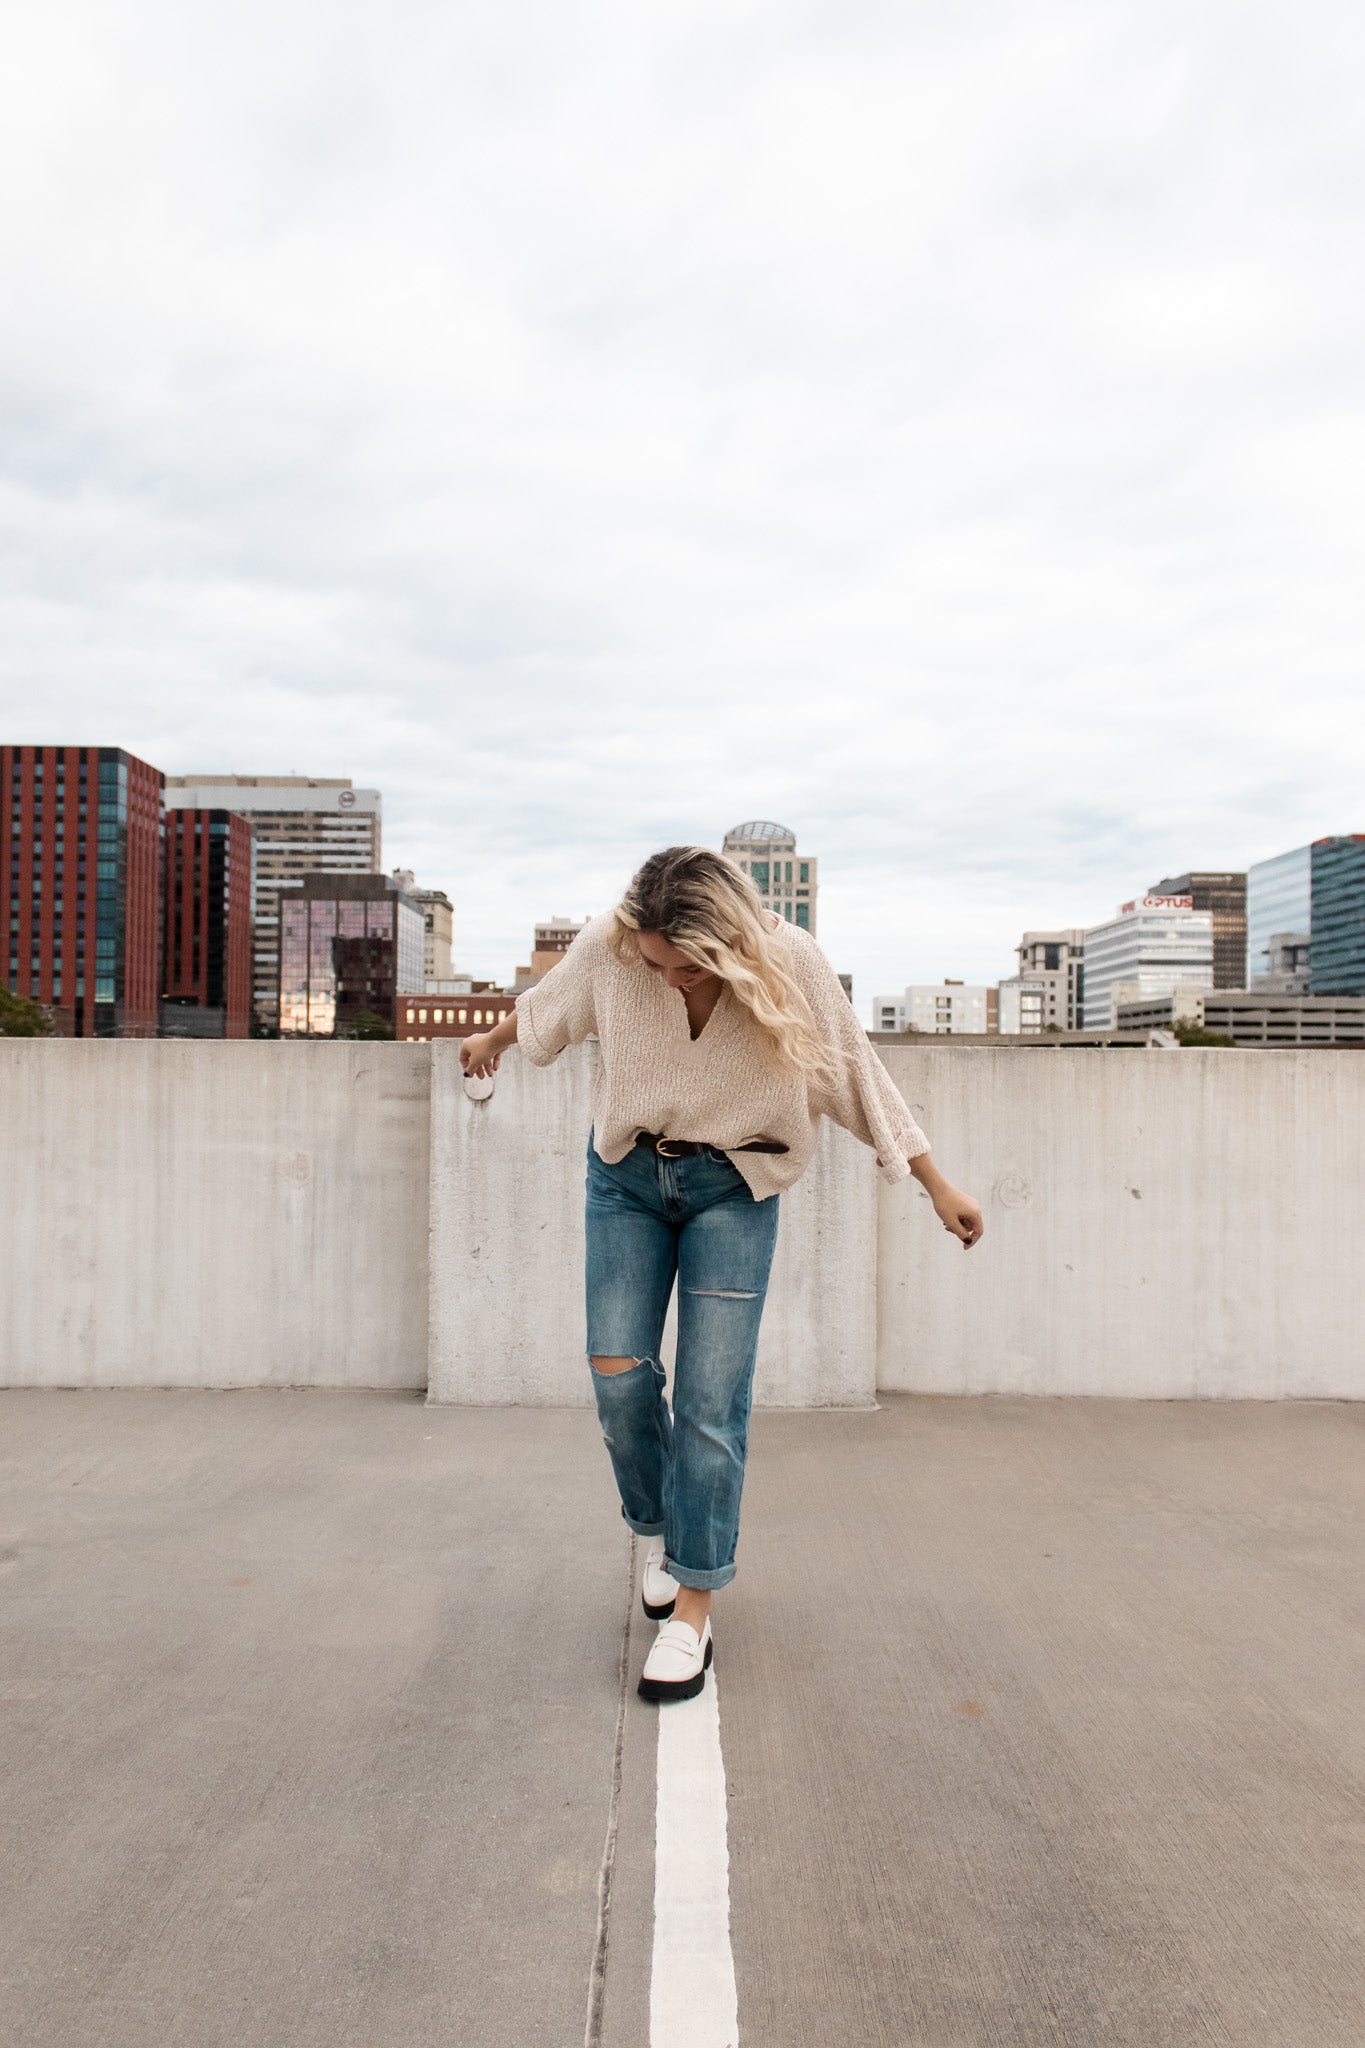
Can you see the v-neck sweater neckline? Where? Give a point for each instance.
(708, 1033)
(724, 1001)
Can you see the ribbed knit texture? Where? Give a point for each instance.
(723, 1088)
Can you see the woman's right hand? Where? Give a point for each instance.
(475, 1056)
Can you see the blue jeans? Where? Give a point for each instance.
(649, 1220)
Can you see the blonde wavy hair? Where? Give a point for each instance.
(706, 906)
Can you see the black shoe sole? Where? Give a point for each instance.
(665, 1690)
(658, 1613)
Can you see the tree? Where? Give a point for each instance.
(367, 1024)
(1190, 1031)
(19, 1018)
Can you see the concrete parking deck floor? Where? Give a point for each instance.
(1041, 1720)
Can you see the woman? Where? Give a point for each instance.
(725, 1036)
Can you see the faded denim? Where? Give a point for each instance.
(651, 1220)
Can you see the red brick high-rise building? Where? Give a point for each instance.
(80, 866)
(206, 948)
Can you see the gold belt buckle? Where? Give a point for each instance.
(659, 1144)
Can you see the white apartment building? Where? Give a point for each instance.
(303, 825)
(1157, 944)
(1046, 991)
(1024, 1006)
(438, 922)
(937, 1008)
(784, 879)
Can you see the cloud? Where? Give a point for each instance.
(938, 429)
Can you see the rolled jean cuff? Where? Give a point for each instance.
(642, 1528)
(699, 1582)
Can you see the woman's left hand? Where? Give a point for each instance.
(959, 1214)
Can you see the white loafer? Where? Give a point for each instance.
(676, 1666)
(657, 1590)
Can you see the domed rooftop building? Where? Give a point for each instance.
(785, 880)
(761, 832)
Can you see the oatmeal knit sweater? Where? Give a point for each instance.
(724, 1087)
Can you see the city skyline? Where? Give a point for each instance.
(471, 955)
(967, 479)
(1222, 894)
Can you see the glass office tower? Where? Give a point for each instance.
(1279, 902)
(1336, 954)
(348, 944)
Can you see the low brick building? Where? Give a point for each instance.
(457, 1016)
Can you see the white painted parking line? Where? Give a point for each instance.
(692, 2000)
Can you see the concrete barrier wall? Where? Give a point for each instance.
(189, 1214)
(507, 1319)
(194, 1214)
(1157, 1224)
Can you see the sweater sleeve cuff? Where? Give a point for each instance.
(529, 1042)
(895, 1165)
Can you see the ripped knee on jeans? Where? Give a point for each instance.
(725, 1293)
(613, 1365)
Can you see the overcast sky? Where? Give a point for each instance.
(937, 427)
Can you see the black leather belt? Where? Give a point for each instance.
(683, 1148)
